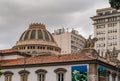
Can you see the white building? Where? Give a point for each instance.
(107, 29)
(69, 42)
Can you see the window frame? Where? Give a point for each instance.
(40, 73)
(62, 72)
(8, 75)
(24, 75)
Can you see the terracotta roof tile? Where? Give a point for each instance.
(8, 51)
(46, 59)
(12, 52)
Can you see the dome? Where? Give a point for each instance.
(37, 40)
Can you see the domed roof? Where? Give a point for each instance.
(36, 32)
(36, 37)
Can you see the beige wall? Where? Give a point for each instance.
(69, 42)
(64, 42)
(111, 21)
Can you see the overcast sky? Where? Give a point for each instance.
(16, 15)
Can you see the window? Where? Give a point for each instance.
(41, 74)
(60, 73)
(8, 76)
(33, 34)
(46, 36)
(40, 35)
(24, 75)
(52, 39)
(26, 35)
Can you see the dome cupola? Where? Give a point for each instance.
(37, 40)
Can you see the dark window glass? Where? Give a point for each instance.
(46, 36)
(33, 34)
(51, 37)
(60, 77)
(40, 36)
(22, 36)
(41, 77)
(26, 35)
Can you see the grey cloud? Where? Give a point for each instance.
(16, 15)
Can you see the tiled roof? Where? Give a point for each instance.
(12, 52)
(46, 59)
(8, 51)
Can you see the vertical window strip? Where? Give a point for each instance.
(24, 77)
(8, 76)
(33, 34)
(60, 77)
(41, 77)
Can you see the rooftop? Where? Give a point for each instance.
(46, 59)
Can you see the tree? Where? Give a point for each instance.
(115, 4)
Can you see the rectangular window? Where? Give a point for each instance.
(8, 78)
(60, 77)
(41, 77)
(24, 77)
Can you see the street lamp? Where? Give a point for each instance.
(115, 4)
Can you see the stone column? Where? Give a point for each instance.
(118, 77)
(92, 75)
(114, 76)
(108, 75)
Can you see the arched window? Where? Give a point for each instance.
(24, 75)
(8, 76)
(60, 73)
(41, 74)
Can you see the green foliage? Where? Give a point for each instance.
(79, 76)
(115, 4)
(1, 73)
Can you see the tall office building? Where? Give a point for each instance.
(69, 42)
(107, 29)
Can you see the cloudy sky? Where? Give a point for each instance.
(16, 15)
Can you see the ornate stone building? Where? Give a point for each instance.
(22, 64)
(36, 40)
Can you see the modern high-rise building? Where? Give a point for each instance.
(107, 29)
(69, 42)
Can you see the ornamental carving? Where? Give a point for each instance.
(112, 55)
(90, 43)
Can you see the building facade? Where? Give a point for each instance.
(17, 64)
(68, 67)
(106, 24)
(69, 42)
(37, 40)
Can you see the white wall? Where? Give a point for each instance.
(50, 75)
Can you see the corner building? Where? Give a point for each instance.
(106, 24)
(21, 63)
